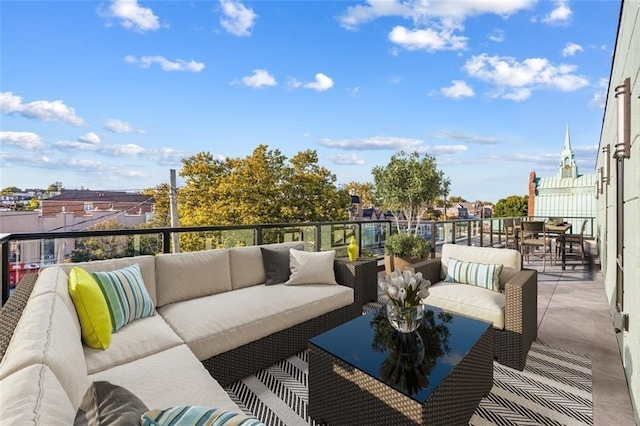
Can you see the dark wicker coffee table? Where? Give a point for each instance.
(364, 372)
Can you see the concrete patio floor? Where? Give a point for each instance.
(573, 314)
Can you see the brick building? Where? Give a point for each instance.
(83, 202)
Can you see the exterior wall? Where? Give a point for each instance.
(31, 252)
(52, 207)
(626, 64)
(567, 198)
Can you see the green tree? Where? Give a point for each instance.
(10, 190)
(513, 205)
(455, 199)
(113, 246)
(33, 204)
(409, 184)
(54, 187)
(364, 191)
(264, 187)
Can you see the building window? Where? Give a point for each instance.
(88, 207)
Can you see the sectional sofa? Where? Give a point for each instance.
(213, 321)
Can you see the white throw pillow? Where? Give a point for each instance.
(311, 267)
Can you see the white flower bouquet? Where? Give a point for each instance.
(405, 289)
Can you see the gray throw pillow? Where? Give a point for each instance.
(275, 260)
(106, 404)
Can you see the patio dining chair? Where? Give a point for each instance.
(509, 234)
(577, 239)
(535, 236)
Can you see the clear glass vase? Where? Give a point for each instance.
(405, 319)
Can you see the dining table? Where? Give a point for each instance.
(559, 231)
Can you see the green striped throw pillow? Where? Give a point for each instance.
(478, 274)
(126, 295)
(201, 416)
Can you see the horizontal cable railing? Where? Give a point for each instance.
(27, 252)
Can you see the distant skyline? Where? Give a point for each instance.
(112, 95)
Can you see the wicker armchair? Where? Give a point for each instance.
(512, 343)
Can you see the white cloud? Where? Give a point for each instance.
(443, 149)
(571, 49)
(458, 89)
(119, 150)
(322, 83)
(467, 137)
(238, 19)
(496, 35)
(90, 137)
(259, 78)
(559, 15)
(27, 140)
(428, 39)
(345, 159)
(515, 80)
(132, 16)
(599, 98)
(373, 143)
(422, 11)
(165, 64)
(118, 126)
(39, 110)
(169, 156)
(75, 146)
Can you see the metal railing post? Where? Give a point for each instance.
(5, 271)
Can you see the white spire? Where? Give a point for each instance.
(567, 140)
(568, 167)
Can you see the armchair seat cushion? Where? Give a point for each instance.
(472, 301)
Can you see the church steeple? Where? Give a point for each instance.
(567, 167)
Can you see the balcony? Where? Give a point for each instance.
(573, 311)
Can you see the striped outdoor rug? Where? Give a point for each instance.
(554, 389)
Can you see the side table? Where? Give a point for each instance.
(362, 275)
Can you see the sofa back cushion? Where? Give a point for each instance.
(47, 333)
(34, 396)
(246, 267)
(146, 263)
(510, 259)
(184, 276)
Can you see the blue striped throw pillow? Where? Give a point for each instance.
(201, 416)
(126, 295)
(478, 274)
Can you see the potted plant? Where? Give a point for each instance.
(402, 250)
(407, 187)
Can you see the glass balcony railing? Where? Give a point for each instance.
(24, 253)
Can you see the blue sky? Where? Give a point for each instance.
(111, 95)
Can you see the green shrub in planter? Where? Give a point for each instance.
(407, 246)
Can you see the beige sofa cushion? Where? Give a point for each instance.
(184, 276)
(246, 266)
(135, 340)
(510, 259)
(216, 324)
(54, 279)
(168, 378)
(34, 396)
(146, 263)
(49, 334)
(472, 301)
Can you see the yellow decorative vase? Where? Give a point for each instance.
(352, 249)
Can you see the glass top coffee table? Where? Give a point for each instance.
(365, 372)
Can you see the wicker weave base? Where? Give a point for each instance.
(340, 394)
(235, 364)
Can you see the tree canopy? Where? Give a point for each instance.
(408, 184)
(264, 187)
(512, 206)
(364, 191)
